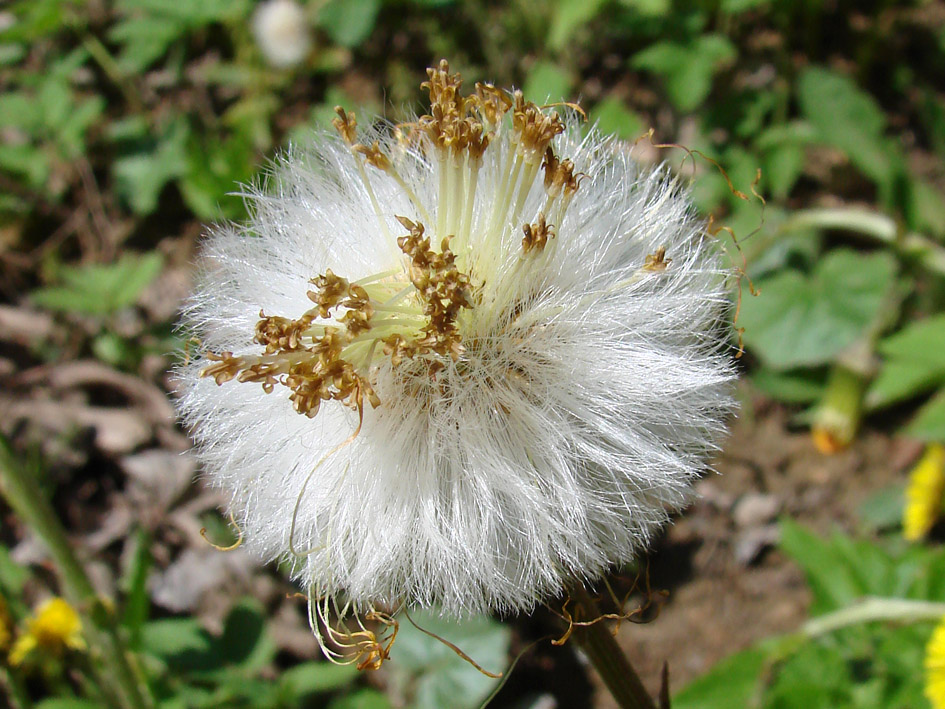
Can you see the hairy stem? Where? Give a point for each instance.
(601, 648)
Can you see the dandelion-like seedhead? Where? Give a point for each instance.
(282, 32)
(464, 361)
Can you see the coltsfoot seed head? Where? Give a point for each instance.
(419, 406)
(282, 32)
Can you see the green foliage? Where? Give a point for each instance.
(349, 22)
(100, 289)
(568, 16)
(613, 117)
(858, 665)
(547, 82)
(807, 319)
(429, 674)
(687, 68)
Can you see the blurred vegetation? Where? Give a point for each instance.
(126, 125)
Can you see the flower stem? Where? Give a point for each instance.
(601, 648)
(873, 226)
(24, 496)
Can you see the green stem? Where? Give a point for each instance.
(24, 496)
(839, 413)
(871, 610)
(876, 227)
(601, 648)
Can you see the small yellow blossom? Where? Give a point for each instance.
(54, 628)
(935, 667)
(924, 494)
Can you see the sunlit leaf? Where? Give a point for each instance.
(802, 320)
(432, 675)
(349, 22)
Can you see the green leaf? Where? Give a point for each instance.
(649, 8)
(349, 22)
(174, 637)
(795, 386)
(64, 703)
(829, 575)
(568, 16)
(244, 642)
(144, 40)
(783, 165)
(363, 699)
(851, 120)
(613, 117)
(13, 576)
(215, 169)
(803, 321)
(929, 423)
(882, 509)
(687, 68)
(547, 82)
(135, 586)
(431, 675)
(733, 682)
(98, 289)
(140, 176)
(914, 362)
(313, 677)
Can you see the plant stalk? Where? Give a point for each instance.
(601, 648)
(25, 497)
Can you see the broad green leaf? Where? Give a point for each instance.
(882, 509)
(64, 703)
(362, 699)
(687, 68)
(803, 320)
(349, 22)
(733, 682)
(244, 642)
(313, 677)
(567, 17)
(431, 675)
(174, 637)
(795, 386)
(547, 82)
(848, 118)
(613, 117)
(929, 423)
(99, 289)
(914, 362)
(783, 165)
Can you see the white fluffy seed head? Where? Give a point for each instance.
(588, 381)
(282, 32)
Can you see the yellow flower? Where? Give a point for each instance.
(935, 667)
(54, 628)
(924, 494)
